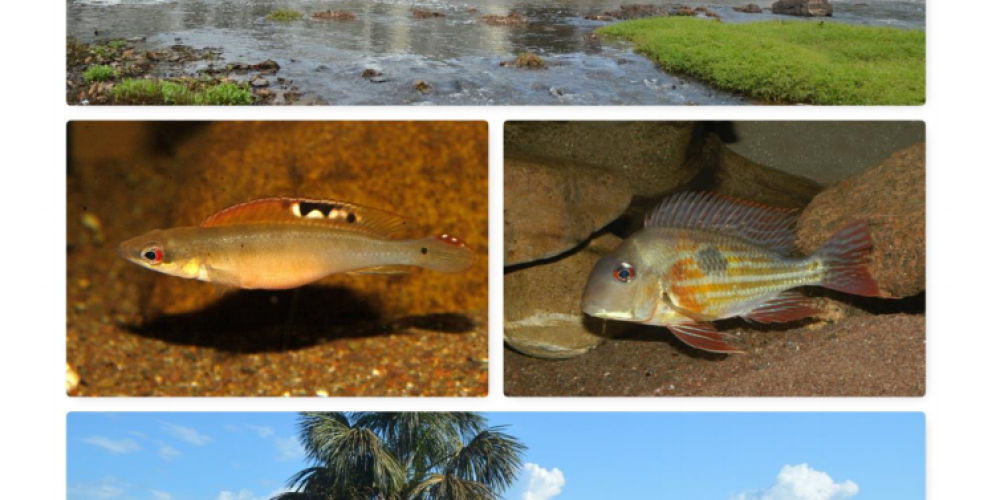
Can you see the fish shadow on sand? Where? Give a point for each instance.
(255, 321)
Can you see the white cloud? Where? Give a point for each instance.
(161, 495)
(262, 431)
(168, 452)
(120, 446)
(543, 484)
(289, 448)
(186, 434)
(109, 488)
(800, 482)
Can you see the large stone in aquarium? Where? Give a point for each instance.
(651, 158)
(542, 316)
(551, 207)
(434, 173)
(891, 195)
(808, 8)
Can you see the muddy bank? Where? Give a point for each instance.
(131, 331)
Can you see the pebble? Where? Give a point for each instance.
(93, 224)
(72, 380)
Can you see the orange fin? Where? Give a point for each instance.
(340, 214)
(702, 336)
(754, 222)
(783, 308)
(691, 314)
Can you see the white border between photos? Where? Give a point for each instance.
(962, 174)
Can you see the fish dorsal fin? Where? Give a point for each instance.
(754, 222)
(340, 214)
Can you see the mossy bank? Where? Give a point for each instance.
(803, 62)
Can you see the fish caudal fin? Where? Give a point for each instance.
(843, 257)
(702, 336)
(444, 253)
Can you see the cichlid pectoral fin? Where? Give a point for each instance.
(691, 314)
(702, 336)
(383, 270)
(788, 306)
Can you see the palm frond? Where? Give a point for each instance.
(492, 458)
(448, 487)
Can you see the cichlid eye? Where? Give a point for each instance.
(624, 273)
(152, 255)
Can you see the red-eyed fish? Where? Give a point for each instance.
(280, 243)
(703, 257)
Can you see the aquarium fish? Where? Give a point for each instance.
(702, 257)
(280, 243)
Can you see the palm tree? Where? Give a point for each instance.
(403, 456)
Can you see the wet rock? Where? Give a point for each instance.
(551, 207)
(542, 315)
(684, 11)
(426, 14)
(807, 8)
(512, 19)
(335, 15)
(650, 158)
(435, 172)
(526, 60)
(750, 8)
(599, 17)
(638, 11)
(258, 81)
(891, 195)
(422, 87)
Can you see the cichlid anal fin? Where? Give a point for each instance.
(702, 336)
(754, 222)
(332, 213)
(384, 270)
(788, 306)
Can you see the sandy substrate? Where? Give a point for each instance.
(861, 356)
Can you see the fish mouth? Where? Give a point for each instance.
(604, 313)
(122, 252)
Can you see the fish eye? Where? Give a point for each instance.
(624, 273)
(152, 255)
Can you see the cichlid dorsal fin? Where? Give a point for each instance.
(751, 221)
(339, 214)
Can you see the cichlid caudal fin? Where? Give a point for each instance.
(843, 257)
(444, 253)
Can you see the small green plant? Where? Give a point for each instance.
(284, 15)
(228, 94)
(143, 91)
(117, 45)
(99, 73)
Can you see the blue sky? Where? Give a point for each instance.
(578, 456)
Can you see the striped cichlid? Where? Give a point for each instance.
(702, 257)
(280, 243)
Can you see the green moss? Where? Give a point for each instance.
(99, 73)
(141, 91)
(117, 45)
(808, 62)
(284, 15)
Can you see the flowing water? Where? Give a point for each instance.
(458, 56)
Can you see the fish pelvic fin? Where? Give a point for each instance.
(703, 336)
(844, 257)
(444, 253)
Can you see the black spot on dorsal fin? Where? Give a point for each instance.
(308, 207)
